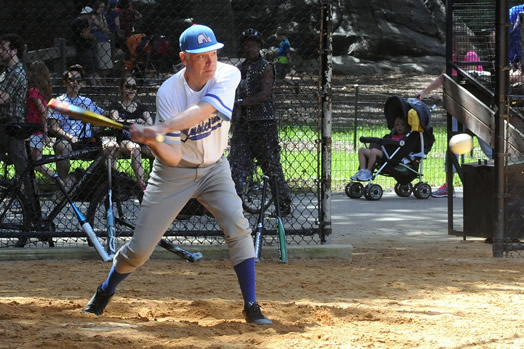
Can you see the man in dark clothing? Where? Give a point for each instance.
(255, 129)
(86, 45)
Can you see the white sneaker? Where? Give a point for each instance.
(355, 176)
(366, 175)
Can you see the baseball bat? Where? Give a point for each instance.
(260, 222)
(192, 257)
(79, 113)
(91, 235)
(282, 247)
(110, 218)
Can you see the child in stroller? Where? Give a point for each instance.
(399, 154)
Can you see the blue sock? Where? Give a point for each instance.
(246, 278)
(113, 279)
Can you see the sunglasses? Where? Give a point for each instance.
(130, 87)
(75, 79)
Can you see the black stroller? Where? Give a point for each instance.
(402, 160)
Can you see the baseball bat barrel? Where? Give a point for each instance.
(192, 257)
(78, 113)
(282, 244)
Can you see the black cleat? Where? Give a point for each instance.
(253, 314)
(98, 302)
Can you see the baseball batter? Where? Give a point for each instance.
(197, 100)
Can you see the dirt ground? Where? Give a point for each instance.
(391, 295)
(402, 292)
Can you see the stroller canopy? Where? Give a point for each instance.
(397, 106)
(416, 113)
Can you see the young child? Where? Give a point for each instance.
(367, 157)
(39, 80)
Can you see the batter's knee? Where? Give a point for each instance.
(127, 260)
(241, 248)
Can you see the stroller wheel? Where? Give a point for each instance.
(354, 190)
(373, 192)
(403, 190)
(422, 191)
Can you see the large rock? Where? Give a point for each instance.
(375, 29)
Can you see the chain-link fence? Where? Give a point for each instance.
(493, 190)
(126, 50)
(143, 42)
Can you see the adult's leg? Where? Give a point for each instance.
(63, 147)
(17, 152)
(135, 153)
(217, 192)
(168, 190)
(264, 144)
(240, 157)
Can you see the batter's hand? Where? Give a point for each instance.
(144, 134)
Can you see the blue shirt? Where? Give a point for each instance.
(76, 127)
(514, 33)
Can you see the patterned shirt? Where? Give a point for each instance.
(13, 81)
(251, 85)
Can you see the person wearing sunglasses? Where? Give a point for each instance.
(72, 134)
(128, 110)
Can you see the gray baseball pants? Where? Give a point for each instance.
(168, 190)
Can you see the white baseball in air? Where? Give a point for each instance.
(461, 143)
(159, 138)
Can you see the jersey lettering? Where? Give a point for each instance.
(204, 129)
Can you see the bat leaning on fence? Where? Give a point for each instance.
(192, 257)
(260, 223)
(85, 224)
(79, 113)
(110, 218)
(282, 244)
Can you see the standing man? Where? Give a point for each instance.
(13, 96)
(255, 129)
(197, 100)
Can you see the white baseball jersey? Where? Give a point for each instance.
(202, 144)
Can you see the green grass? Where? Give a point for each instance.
(300, 157)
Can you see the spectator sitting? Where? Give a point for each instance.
(128, 110)
(367, 157)
(37, 112)
(71, 134)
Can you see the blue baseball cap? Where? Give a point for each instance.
(198, 39)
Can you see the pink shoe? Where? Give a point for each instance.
(442, 192)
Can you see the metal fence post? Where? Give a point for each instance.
(356, 119)
(502, 76)
(326, 71)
